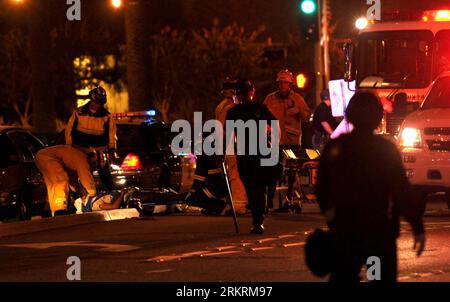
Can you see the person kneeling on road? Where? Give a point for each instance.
(62, 167)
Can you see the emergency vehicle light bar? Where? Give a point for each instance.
(149, 113)
(436, 15)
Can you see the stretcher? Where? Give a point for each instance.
(299, 178)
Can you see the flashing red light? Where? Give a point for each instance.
(138, 114)
(131, 162)
(436, 15)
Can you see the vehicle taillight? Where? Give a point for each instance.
(131, 162)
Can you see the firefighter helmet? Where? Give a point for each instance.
(245, 90)
(98, 95)
(285, 76)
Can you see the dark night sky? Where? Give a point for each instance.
(279, 16)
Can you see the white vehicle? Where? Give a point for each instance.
(425, 143)
(399, 60)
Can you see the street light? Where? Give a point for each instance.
(17, 1)
(116, 3)
(361, 23)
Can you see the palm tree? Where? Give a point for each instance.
(138, 55)
(43, 102)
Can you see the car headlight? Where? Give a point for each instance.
(411, 138)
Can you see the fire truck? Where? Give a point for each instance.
(401, 61)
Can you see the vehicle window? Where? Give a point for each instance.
(6, 151)
(153, 137)
(27, 144)
(439, 96)
(398, 58)
(442, 58)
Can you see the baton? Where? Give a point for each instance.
(236, 226)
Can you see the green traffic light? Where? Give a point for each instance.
(308, 6)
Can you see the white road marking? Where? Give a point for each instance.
(294, 244)
(103, 247)
(219, 253)
(232, 248)
(256, 249)
(268, 239)
(224, 248)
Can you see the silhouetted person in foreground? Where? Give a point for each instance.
(363, 190)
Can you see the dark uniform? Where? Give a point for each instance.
(321, 136)
(254, 176)
(209, 188)
(363, 189)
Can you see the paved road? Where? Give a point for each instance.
(198, 248)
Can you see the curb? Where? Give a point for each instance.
(53, 223)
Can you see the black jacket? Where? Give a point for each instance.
(362, 177)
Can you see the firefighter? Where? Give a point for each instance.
(253, 175)
(362, 190)
(209, 188)
(64, 167)
(229, 101)
(91, 126)
(290, 109)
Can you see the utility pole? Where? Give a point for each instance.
(326, 16)
(318, 61)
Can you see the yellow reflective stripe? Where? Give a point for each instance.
(200, 178)
(215, 171)
(91, 125)
(209, 194)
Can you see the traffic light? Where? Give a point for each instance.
(309, 19)
(308, 6)
(301, 80)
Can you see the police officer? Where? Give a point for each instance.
(362, 190)
(62, 167)
(323, 122)
(91, 126)
(253, 175)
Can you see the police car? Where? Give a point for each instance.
(425, 143)
(145, 157)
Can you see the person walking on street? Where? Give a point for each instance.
(254, 176)
(363, 190)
